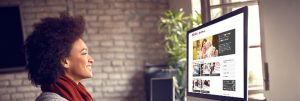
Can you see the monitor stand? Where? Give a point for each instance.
(190, 98)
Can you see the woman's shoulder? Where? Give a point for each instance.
(49, 96)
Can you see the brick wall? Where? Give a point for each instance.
(121, 34)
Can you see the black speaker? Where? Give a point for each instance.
(162, 89)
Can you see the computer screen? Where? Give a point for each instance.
(217, 58)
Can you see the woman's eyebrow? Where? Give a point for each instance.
(83, 49)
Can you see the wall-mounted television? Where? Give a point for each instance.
(217, 58)
(11, 40)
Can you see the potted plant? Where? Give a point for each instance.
(175, 26)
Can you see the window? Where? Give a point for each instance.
(221, 7)
(212, 9)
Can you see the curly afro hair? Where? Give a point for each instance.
(50, 42)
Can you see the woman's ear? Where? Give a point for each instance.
(65, 62)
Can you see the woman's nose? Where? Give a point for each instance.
(91, 60)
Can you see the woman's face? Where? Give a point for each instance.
(79, 62)
(203, 43)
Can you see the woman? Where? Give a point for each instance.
(203, 49)
(58, 59)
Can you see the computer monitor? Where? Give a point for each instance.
(217, 58)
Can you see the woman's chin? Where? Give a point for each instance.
(87, 75)
(89, 72)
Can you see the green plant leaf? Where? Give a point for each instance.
(175, 26)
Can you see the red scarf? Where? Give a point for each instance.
(68, 89)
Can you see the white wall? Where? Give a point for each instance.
(280, 22)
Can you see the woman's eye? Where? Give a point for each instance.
(84, 53)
